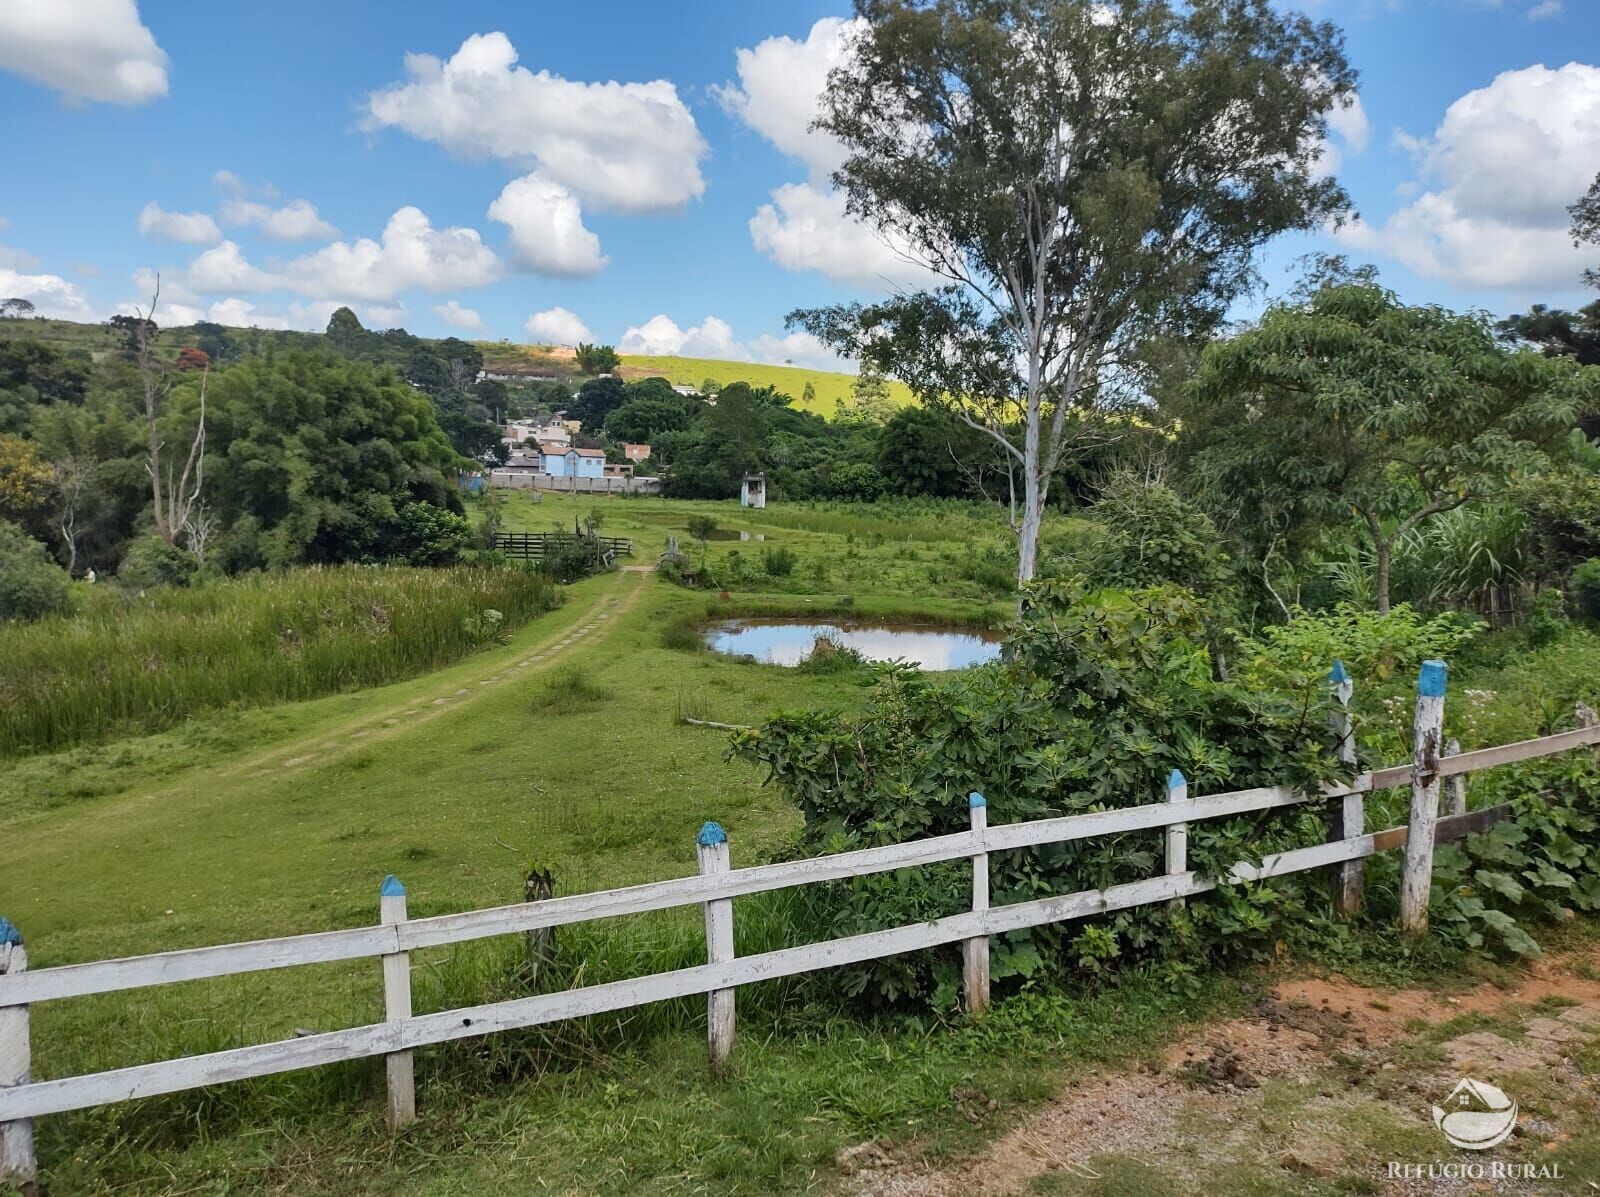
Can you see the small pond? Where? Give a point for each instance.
(788, 642)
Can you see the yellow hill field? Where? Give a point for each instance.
(829, 387)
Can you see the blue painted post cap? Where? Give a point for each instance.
(392, 887)
(1431, 679)
(711, 833)
(1176, 780)
(976, 799)
(1337, 674)
(8, 933)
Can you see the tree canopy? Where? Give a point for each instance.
(1078, 177)
(1354, 406)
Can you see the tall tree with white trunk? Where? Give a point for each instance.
(1081, 178)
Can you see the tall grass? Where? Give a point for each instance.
(141, 664)
(925, 520)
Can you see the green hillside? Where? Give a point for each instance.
(831, 388)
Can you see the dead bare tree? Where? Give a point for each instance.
(174, 498)
(73, 477)
(199, 530)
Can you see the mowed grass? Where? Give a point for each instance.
(135, 662)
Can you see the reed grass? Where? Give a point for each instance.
(142, 663)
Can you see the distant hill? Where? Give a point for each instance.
(830, 388)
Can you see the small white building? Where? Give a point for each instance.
(753, 493)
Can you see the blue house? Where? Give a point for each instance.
(568, 461)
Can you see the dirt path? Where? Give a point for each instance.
(1318, 1089)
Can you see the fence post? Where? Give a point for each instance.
(1455, 787)
(975, 951)
(712, 844)
(1177, 855)
(1416, 879)
(1347, 814)
(397, 1006)
(17, 1163)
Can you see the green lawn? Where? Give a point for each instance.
(830, 388)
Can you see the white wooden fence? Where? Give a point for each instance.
(23, 1098)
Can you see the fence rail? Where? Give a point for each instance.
(714, 888)
(532, 546)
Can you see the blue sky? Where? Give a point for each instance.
(640, 173)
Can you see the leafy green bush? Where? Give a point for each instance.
(1373, 647)
(1533, 868)
(1096, 702)
(32, 585)
(151, 561)
(1586, 587)
(1153, 535)
(778, 561)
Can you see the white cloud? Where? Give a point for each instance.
(295, 221)
(50, 294)
(1546, 9)
(456, 316)
(17, 259)
(1502, 167)
(85, 49)
(557, 326)
(241, 313)
(190, 228)
(412, 254)
(630, 147)
(225, 268)
(806, 228)
(660, 336)
(780, 85)
(547, 231)
(800, 349)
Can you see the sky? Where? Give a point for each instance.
(642, 174)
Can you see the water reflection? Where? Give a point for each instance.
(786, 642)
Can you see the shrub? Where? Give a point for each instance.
(32, 585)
(150, 562)
(682, 634)
(1373, 647)
(1586, 587)
(1095, 703)
(1152, 535)
(778, 561)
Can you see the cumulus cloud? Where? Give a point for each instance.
(189, 228)
(547, 231)
(456, 316)
(780, 84)
(86, 49)
(294, 221)
(411, 254)
(50, 294)
(1349, 130)
(225, 268)
(1500, 170)
(557, 326)
(629, 147)
(661, 336)
(807, 228)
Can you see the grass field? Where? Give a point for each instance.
(831, 388)
(564, 747)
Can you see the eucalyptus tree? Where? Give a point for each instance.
(1078, 177)
(1353, 407)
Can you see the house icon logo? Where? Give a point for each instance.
(1476, 1115)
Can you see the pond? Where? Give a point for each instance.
(788, 641)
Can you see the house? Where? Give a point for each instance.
(518, 431)
(685, 389)
(617, 469)
(635, 453)
(566, 461)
